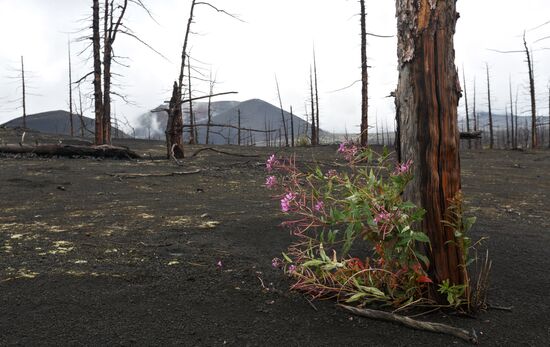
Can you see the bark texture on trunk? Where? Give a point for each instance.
(98, 94)
(427, 103)
(174, 126)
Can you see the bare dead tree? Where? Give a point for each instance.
(364, 78)
(513, 130)
(532, 94)
(282, 111)
(426, 102)
(313, 126)
(209, 108)
(70, 89)
(192, 129)
(81, 113)
(24, 93)
(491, 134)
(466, 105)
(239, 126)
(292, 126)
(317, 133)
(549, 116)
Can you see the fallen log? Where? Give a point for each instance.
(64, 150)
(472, 135)
(413, 323)
(224, 152)
(160, 174)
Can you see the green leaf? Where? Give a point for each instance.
(420, 237)
(287, 258)
(373, 291)
(356, 297)
(313, 263)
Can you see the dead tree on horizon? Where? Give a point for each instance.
(70, 88)
(292, 126)
(466, 104)
(491, 135)
(427, 103)
(24, 92)
(282, 111)
(313, 126)
(317, 122)
(192, 128)
(513, 129)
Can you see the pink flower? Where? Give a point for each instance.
(291, 268)
(403, 168)
(219, 264)
(319, 206)
(277, 263)
(342, 147)
(271, 161)
(286, 200)
(271, 182)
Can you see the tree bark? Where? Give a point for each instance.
(98, 94)
(174, 126)
(364, 79)
(427, 101)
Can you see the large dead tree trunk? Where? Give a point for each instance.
(174, 126)
(427, 100)
(364, 78)
(98, 94)
(532, 94)
(292, 126)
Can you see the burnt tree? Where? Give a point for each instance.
(364, 78)
(24, 96)
(98, 92)
(532, 94)
(427, 102)
(466, 105)
(491, 133)
(313, 126)
(282, 112)
(70, 90)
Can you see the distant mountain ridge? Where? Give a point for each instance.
(58, 122)
(256, 114)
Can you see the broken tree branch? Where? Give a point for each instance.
(414, 324)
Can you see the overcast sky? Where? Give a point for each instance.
(276, 38)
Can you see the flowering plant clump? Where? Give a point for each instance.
(357, 211)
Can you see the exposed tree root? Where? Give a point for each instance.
(414, 324)
(224, 152)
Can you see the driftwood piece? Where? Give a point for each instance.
(472, 135)
(413, 323)
(224, 152)
(159, 174)
(63, 150)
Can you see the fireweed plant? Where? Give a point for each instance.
(361, 208)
